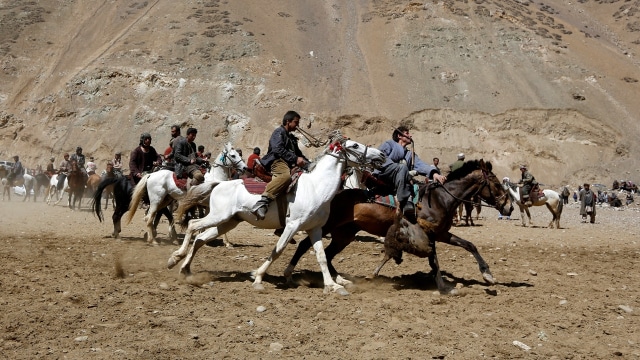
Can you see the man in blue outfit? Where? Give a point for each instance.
(401, 165)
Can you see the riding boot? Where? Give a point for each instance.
(261, 207)
(409, 211)
(526, 201)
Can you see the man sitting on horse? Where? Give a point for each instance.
(80, 159)
(401, 166)
(185, 156)
(143, 158)
(283, 154)
(528, 181)
(91, 166)
(17, 171)
(51, 167)
(63, 169)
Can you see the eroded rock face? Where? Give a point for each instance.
(550, 85)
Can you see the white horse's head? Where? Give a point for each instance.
(229, 159)
(357, 154)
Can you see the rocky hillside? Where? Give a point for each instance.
(552, 85)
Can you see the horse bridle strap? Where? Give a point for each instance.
(485, 182)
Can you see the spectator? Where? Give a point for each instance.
(251, 161)
(588, 201)
(458, 163)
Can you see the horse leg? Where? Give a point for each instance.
(433, 261)
(470, 247)
(204, 238)
(287, 234)
(524, 224)
(116, 217)
(526, 209)
(553, 215)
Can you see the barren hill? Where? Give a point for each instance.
(553, 85)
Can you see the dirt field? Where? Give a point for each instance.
(69, 291)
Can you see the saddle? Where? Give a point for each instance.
(180, 183)
(535, 193)
(261, 173)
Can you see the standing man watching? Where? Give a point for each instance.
(283, 154)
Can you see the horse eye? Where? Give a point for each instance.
(355, 146)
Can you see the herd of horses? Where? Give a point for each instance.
(318, 204)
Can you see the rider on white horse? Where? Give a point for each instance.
(527, 181)
(17, 171)
(185, 156)
(282, 156)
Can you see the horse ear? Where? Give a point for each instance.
(482, 165)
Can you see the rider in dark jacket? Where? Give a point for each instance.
(184, 154)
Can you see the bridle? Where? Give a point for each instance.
(344, 153)
(485, 183)
(226, 162)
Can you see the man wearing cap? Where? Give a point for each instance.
(588, 204)
(401, 166)
(527, 181)
(51, 168)
(185, 156)
(458, 163)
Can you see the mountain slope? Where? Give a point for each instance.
(554, 86)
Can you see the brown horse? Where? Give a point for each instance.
(353, 210)
(92, 184)
(76, 183)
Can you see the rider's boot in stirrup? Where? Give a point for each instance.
(261, 207)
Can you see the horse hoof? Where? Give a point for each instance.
(258, 286)
(454, 291)
(171, 263)
(336, 289)
(342, 281)
(489, 278)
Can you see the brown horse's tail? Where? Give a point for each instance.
(139, 191)
(194, 197)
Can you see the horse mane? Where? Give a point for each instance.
(334, 135)
(466, 169)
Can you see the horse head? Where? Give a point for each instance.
(492, 191)
(356, 154)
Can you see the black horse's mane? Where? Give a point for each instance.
(466, 169)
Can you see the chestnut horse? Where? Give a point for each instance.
(353, 210)
(76, 183)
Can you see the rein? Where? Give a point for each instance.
(485, 182)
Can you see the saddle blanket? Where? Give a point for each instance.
(254, 185)
(390, 200)
(180, 183)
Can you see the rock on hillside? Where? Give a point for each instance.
(509, 81)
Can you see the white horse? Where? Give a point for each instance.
(53, 189)
(551, 199)
(232, 204)
(162, 190)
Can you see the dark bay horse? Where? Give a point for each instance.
(353, 210)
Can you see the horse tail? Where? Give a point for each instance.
(97, 196)
(138, 193)
(194, 197)
(560, 206)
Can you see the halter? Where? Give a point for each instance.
(226, 162)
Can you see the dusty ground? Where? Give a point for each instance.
(71, 292)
